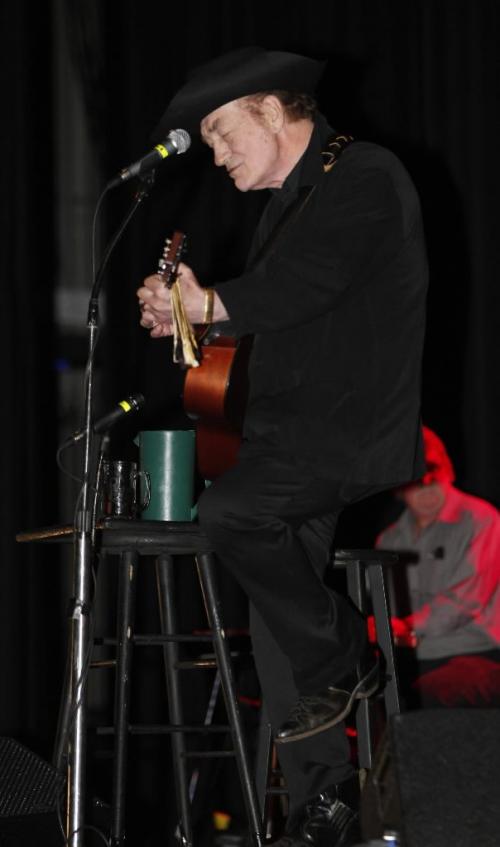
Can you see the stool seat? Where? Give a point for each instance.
(174, 538)
(384, 557)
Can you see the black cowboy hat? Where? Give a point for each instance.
(241, 72)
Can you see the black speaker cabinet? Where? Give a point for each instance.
(436, 780)
(30, 790)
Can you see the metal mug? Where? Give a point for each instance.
(120, 489)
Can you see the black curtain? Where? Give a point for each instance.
(30, 645)
(421, 77)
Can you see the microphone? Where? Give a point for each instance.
(123, 408)
(176, 142)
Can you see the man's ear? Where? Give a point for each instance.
(273, 112)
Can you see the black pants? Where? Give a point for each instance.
(272, 525)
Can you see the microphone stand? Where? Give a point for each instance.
(79, 645)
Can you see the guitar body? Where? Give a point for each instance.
(215, 395)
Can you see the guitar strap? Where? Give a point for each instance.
(335, 146)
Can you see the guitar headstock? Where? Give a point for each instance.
(172, 255)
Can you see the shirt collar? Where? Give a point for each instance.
(309, 168)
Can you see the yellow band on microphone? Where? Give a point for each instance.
(162, 150)
(125, 406)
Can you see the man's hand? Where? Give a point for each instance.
(154, 300)
(155, 303)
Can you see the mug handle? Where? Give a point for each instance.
(146, 499)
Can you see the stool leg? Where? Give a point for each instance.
(356, 589)
(206, 572)
(166, 594)
(125, 627)
(263, 763)
(266, 767)
(382, 616)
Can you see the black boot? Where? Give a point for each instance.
(329, 820)
(316, 712)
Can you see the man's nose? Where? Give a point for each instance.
(221, 153)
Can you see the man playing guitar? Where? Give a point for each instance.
(334, 296)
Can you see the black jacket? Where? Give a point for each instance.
(338, 310)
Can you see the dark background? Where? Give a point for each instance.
(420, 77)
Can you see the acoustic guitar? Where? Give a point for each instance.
(215, 391)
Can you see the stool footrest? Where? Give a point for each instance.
(144, 640)
(166, 729)
(208, 754)
(153, 640)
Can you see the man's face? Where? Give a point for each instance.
(424, 501)
(245, 145)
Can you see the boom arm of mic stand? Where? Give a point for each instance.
(82, 579)
(147, 182)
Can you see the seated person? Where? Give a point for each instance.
(448, 592)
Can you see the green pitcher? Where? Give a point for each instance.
(167, 461)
